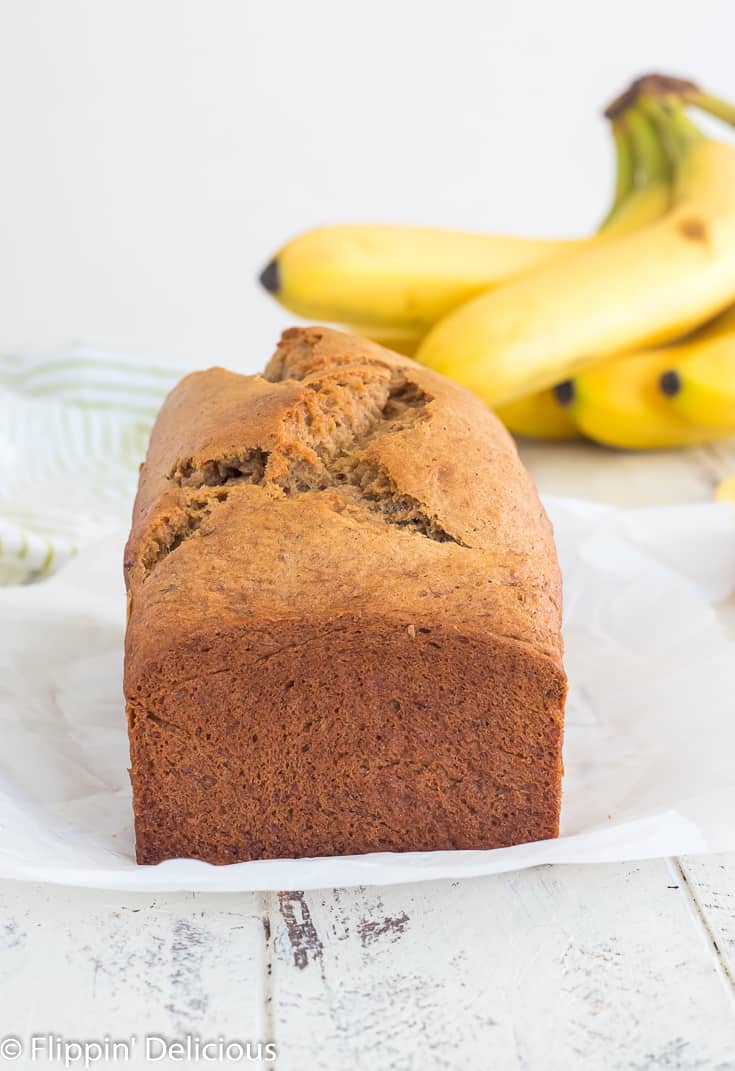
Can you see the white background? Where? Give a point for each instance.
(156, 152)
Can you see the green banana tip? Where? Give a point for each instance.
(270, 277)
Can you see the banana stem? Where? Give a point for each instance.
(674, 127)
(624, 168)
(652, 162)
(713, 105)
(624, 163)
(671, 91)
(655, 87)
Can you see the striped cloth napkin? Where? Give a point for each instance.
(73, 430)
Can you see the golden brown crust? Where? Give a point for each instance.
(347, 484)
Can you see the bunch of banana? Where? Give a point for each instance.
(643, 194)
(646, 400)
(674, 395)
(635, 290)
(511, 317)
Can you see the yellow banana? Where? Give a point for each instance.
(700, 384)
(539, 416)
(624, 400)
(725, 490)
(722, 324)
(619, 403)
(399, 339)
(395, 276)
(643, 194)
(632, 290)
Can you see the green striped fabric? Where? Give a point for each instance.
(73, 430)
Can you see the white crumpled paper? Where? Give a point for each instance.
(650, 740)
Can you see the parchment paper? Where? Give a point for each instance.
(650, 739)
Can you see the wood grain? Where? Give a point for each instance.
(596, 967)
(85, 963)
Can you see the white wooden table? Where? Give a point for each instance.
(611, 967)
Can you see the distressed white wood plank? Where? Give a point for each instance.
(711, 881)
(595, 967)
(86, 963)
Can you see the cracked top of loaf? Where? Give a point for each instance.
(344, 480)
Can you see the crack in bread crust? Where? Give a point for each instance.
(179, 523)
(246, 468)
(326, 437)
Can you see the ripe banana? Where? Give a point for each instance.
(619, 403)
(632, 290)
(539, 416)
(399, 339)
(395, 276)
(700, 383)
(643, 194)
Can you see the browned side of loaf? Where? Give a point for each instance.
(344, 630)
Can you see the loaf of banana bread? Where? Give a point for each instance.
(344, 617)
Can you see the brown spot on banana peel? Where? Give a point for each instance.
(651, 85)
(694, 230)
